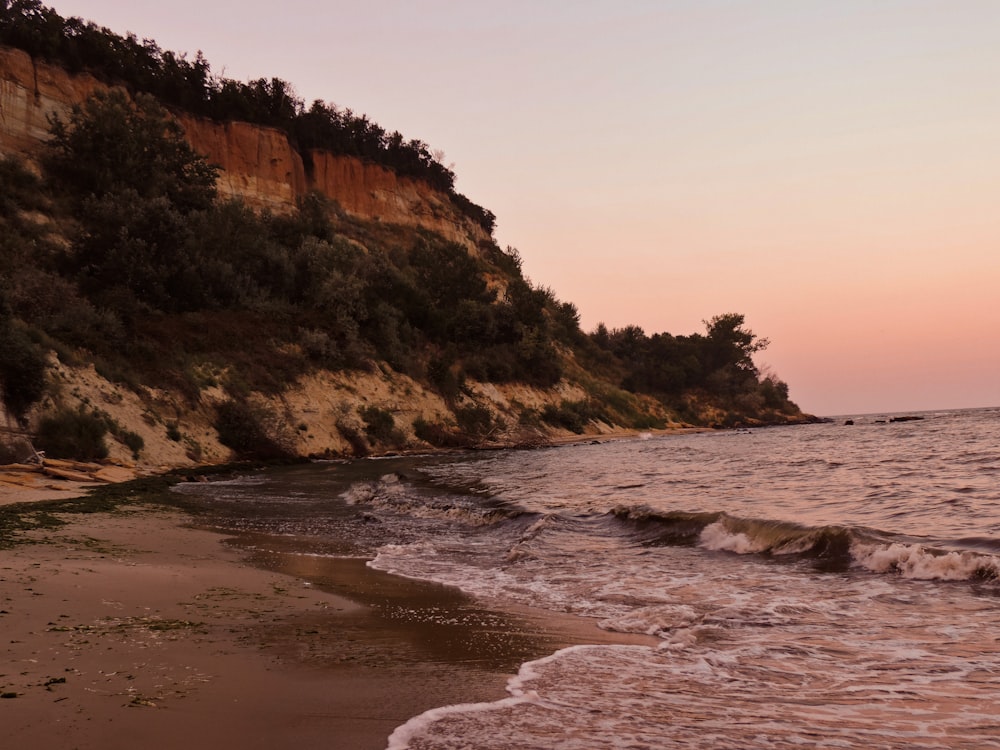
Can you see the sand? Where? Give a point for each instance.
(25, 487)
(133, 629)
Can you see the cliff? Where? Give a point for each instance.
(188, 346)
(258, 164)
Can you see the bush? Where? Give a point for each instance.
(113, 144)
(251, 431)
(775, 392)
(443, 377)
(22, 189)
(380, 426)
(131, 440)
(359, 446)
(15, 451)
(474, 419)
(22, 372)
(572, 415)
(73, 434)
(437, 434)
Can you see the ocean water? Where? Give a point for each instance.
(824, 585)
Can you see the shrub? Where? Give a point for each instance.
(775, 392)
(131, 440)
(572, 415)
(380, 426)
(359, 446)
(112, 143)
(443, 377)
(437, 434)
(475, 419)
(73, 434)
(22, 372)
(22, 189)
(530, 418)
(15, 451)
(648, 422)
(251, 431)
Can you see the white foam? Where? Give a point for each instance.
(517, 686)
(716, 536)
(659, 620)
(403, 735)
(918, 562)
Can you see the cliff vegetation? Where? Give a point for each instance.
(147, 314)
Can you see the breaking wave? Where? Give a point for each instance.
(832, 547)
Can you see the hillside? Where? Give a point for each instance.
(182, 287)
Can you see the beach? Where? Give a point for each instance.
(131, 629)
(825, 584)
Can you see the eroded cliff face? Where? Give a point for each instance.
(30, 94)
(258, 164)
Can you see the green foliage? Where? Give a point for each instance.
(719, 363)
(539, 362)
(354, 438)
(380, 426)
(572, 415)
(153, 243)
(250, 430)
(774, 392)
(131, 440)
(73, 434)
(22, 369)
(474, 419)
(171, 78)
(443, 376)
(138, 184)
(160, 277)
(112, 144)
(22, 190)
(731, 343)
(437, 434)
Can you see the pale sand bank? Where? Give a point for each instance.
(129, 630)
(31, 489)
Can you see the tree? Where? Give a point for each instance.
(730, 344)
(137, 184)
(22, 368)
(112, 144)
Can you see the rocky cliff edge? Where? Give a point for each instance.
(258, 164)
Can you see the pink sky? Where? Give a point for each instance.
(829, 169)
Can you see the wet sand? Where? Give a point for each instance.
(131, 629)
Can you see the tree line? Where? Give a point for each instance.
(150, 245)
(141, 66)
(718, 363)
(140, 264)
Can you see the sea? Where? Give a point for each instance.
(832, 585)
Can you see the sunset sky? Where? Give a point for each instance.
(829, 168)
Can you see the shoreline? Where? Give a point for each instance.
(23, 485)
(134, 628)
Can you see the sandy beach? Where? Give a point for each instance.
(133, 629)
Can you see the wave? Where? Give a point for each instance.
(390, 493)
(928, 563)
(830, 547)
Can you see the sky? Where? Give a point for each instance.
(829, 169)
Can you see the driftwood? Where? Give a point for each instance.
(73, 471)
(73, 476)
(21, 467)
(57, 463)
